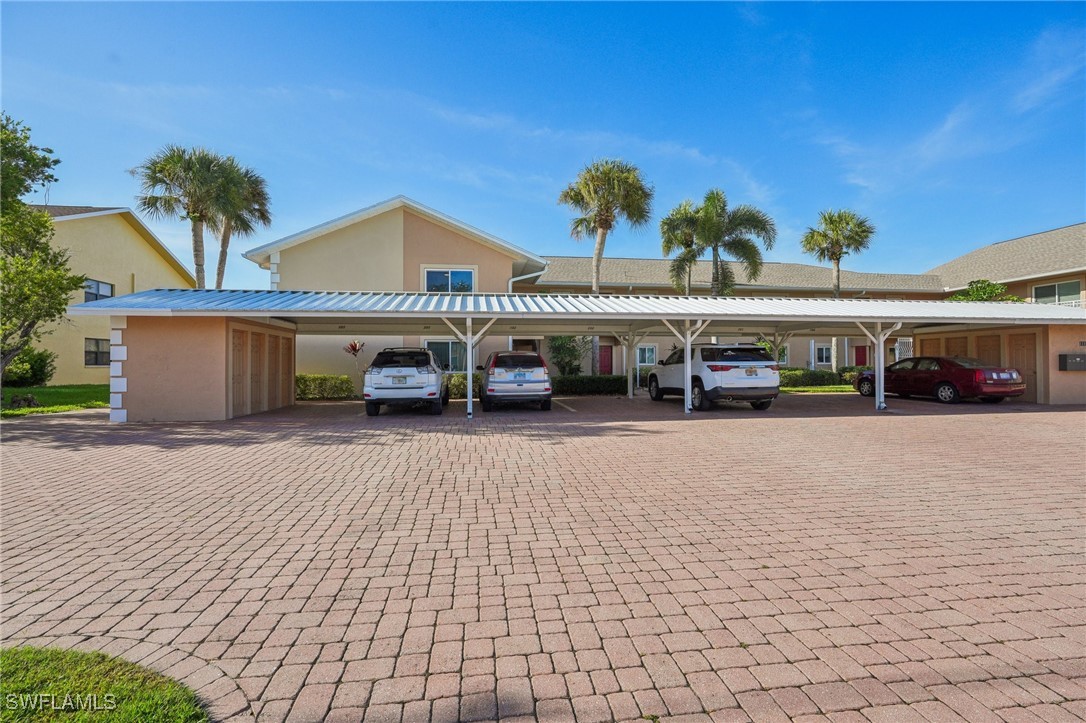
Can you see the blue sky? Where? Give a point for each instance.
(950, 125)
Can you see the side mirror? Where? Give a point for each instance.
(479, 368)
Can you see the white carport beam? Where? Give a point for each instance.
(879, 339)
(630, 341)
(478, 335)
(470, 341)
(687, 336)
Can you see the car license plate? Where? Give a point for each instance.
(520, 375)
(399, 380)
(752, 372)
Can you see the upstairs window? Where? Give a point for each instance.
(1067, 293)
(95, 290)
(450, 280)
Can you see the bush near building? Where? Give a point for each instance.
(323, 386)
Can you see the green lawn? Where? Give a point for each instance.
(62, 398)
(121, 692)
(831, 389)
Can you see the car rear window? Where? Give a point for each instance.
(513, 361)
(969, 363)
(734, 355)
(401, 359)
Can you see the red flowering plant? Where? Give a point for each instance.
(355, 348)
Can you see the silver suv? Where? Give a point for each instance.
(724, 372)
(405, 375)
(515, 376)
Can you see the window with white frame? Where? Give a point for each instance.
(94, 290)
(1066, 292)
(823, 354)
(457, 280)
(453, 353)
(646, 355)
(782, 355)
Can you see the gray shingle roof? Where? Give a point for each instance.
(60, 211)
(577, 270)
(1040, 254)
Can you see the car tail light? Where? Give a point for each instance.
(979, 376)
(375, 371)
(428, 369)
(546, 389)
(720, 367)
(490, 370)
(546, 371)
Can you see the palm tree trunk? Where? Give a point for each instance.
(836, 295)
(716, 271)
(597, 260)
(198, 251)
(224, 247)
(689, 274)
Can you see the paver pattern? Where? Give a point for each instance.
(816, 561)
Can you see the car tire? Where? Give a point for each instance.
(445, 398)
(436, 408)
(372, 409)
(654, 389)
(992, 400)
(545, 405)
(866, 387)
(488, 406)
(698, 402)
(762, 404)
(947, 393)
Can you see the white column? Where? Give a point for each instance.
(118, 357)
(469, 342)
(688, 370)
(813, 363)
(631, 365)
(880, 368)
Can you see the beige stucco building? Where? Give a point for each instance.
(119, 255)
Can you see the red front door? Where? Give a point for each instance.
(861, 356)
(605, 360)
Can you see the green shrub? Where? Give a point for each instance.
(566, 352)
(458, 385)
(323, 386)
(849, 373)
(584, 385)
(808, 378)
(31, 368)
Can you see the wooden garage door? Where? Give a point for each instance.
(988, 350)
(256, 375)
(239, 372)
(274, 384)
(1023, 357)
(930, 347)
(957, 346)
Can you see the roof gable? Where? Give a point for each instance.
(261, 255)
(1057, 251)
(62, 214)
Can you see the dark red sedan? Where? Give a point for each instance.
(948, 379)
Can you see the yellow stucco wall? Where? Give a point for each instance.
(430, 245)
(365, 256)
(105, 248)
(1065, 387)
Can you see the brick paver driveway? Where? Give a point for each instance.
(604, 563)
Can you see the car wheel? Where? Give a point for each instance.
(435, 407)
(372, 409)
(947, 393)
(762, 405)
(698, 402)
(488, 406)
(445, 397)
(654, 390)
(545, 405)
(992, 400)
(866, 387)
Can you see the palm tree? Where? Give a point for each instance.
(604, 192)
(678, 231)
(732, 232)
(839, 234)
(243, 206)
(183, 183)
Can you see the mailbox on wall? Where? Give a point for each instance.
(1073, 362)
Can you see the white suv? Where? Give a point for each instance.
(721, 372)
(405, 375)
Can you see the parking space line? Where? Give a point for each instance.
(563, 405)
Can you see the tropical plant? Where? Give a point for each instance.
(36, 282)
(733, 232)
(566, 352)
(183, 183)
(839, 234)
(984, 290)
(243, 206)
(355, 349)
(605, 192)
(678, 233)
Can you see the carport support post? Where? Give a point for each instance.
(879, 340)
(469, 343)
